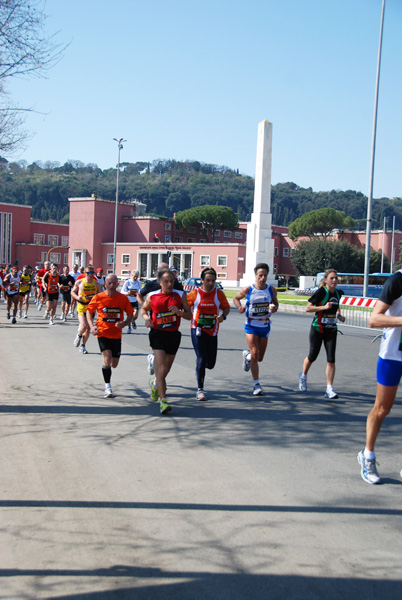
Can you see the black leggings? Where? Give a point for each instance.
(316, 339)
(206, 348)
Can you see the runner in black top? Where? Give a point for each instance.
(325, 304)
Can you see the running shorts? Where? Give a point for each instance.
(168, 341)
(24, 293)
(114, 345)
(134, 304)
(11, 295)
(262, 332)
(389, 372)
(52, 297)
(66, 297)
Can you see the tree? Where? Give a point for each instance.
(208, 218)
(25, 50)
(314, 256)
(318, 223)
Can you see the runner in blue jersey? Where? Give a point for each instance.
(261, 302)
(387, 314)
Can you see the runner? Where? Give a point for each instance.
(74, 274)
(162, 312)
(387, 314)
(100, 278)
(261, 302)
(110, 306)
(151, 286)
(11, 285)
(24, 291)
(83, 291)
(39, 278)
(50, 283)
(66, 283)
(6, 271)
(206, 302)
(131, 287)
(325, 304)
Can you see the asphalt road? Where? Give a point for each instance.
(239, 497)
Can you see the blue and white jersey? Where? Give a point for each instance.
(391, 294)
(257, 306)
(131, 289)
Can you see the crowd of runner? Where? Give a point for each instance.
(162, 303)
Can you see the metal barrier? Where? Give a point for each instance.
(357, 311)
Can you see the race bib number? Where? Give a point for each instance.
(206, 321)
(165, 320)
(329, 321)
(133, 292)
(259, 310)
(111, 315)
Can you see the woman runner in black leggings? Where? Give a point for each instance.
(325, 304)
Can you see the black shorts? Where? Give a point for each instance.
(8, 295)
(114, 345)
(134, 305)
(52, 297)
(168, 341)
(24, 293)
(316, 339)
(66, 297)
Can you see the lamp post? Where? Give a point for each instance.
(370, 194)
(120, 146)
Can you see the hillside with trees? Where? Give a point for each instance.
(170, 186)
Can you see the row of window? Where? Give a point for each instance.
(54, 257)
(205, 260)
(285, 252)
(226, 234)
(52, 240)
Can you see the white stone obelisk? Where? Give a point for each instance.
(260, 245)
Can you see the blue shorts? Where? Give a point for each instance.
(389, 372)
(260, 331)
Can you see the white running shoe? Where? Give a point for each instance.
(368, 469)
(150, 359)
(257, 391)
(302, 382)
(25, 315)
(108, 391)
(51, 322)
(201, 395)
(128, 330)
(20, 314)
(46, 315)
(246, 362)
(83, 350)
(330, 394)
(40, 305)
(77, 340)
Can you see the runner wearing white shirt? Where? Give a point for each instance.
(131, 287)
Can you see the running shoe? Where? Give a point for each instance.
(83, 350)
(133, 325)
(164, 407)
(151, 364)
(77, 340)
(128, 329)
(40, 306)
(330, 394)
(63, 319)
(25, 316)
(14, 321)
(8, 316)
(154, 390)
(246, 362)
(201, 395)
(51, 322)
(46, 315)
(257, 391)
(20, 314)
(302, 382)
(368, 469)
(108, 391)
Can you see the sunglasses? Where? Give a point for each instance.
(89, 272)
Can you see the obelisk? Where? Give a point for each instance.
(260, 245)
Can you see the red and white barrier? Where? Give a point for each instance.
(358, 301)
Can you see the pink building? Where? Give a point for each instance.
(26, 241)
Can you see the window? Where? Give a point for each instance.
(217, 232)
(125, 259)
(221, 275)
(227, 234)
(222, 261)
(55, 257)
(168, 226)
(109, 271)
(276, 252)
(238, 235)
(179, 229)
(43, 257)
(191, 240)
(205, 260)
(64, 240)
(66, 259)
(292, 251)
(275, 268)
(39, 238)
(53, 240)
(110, 260)
(125, 273)
(179, 239)
(191, 229)
(286, 252)
(203, 241)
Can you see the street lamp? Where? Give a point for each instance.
(370, 194)
(120, 146)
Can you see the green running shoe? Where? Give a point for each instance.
(154, 390)
(165, 407)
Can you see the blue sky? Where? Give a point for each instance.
(192, 80)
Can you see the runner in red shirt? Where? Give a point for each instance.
(110, 306)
